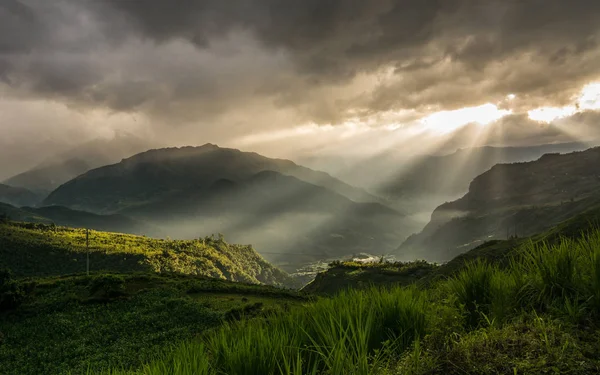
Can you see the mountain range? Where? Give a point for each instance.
(511, 200)
(280, 207)
(295, 215)
(417, 184)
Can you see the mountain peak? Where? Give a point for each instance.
(209, 145)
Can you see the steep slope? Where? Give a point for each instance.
(18, 196)
(511, 200)
(40, 250)
(52, 173)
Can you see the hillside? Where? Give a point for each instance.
(539, 314)
(18, 196)
(341, 276)
(519, 199)
(79, 323)
(514, 306)
(278, 206)
(77, 219)
(43, 250)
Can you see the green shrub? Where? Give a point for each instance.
(107, 286)
(246, 311)
(12, 293)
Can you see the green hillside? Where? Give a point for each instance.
(524, 306)
(540, 314)
(30, 249)
(75, 323)
(355, 275)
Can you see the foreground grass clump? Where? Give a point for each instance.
(535, 314)
(529, 344)
(540, 315)
(354, 333)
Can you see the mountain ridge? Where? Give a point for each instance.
(175, 157)
(275, 204)
(518, 199)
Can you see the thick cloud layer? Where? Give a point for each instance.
(217, 70)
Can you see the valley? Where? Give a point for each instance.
(166, 290)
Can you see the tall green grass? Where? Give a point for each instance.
(591, 270)
(473, 289)
(564, 277)
(353, 333)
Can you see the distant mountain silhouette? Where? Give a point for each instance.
(77, 219)
(511, 199)
(18, 196)
(155, 174)
(275, 204)
(55, 171)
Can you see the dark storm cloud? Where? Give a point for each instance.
(360, 33)
(440, 54)
(19, 27)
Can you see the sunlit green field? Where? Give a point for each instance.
(43, 250)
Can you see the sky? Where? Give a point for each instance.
(289, 78)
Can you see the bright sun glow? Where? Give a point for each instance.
(588, 99)
(447, 121)
(549, 114)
